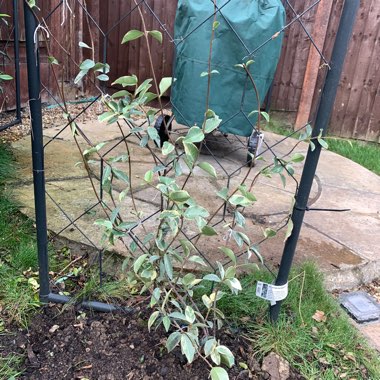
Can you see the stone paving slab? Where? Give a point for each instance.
(372, 332)
(345, 245)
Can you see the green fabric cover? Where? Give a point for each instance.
(232, 95)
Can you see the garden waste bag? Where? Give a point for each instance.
(241, 27)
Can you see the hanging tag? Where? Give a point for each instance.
(271, 292)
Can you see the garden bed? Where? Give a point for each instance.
(73, 345)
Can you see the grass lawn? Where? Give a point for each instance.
(328, 349)
(366, 154)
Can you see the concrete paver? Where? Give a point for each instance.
(345, 245)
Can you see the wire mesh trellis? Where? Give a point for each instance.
(140, 205)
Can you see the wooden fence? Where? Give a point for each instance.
(357, 107)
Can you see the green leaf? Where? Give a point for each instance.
(219, 373)
(323, 143)
(212, 123)
(173, 340)
(266, 116)
(84, 45)
(156, 35)
(227, 356)
(196, 211)
(177, 315)
(212, 277)
(119, 174)
(205, 73)
(106, 116)
(312, 146)
(207, 302)
(132, 35)
(168, 266)
(289, 230)
(32, 4)
(223, 193)
(167, 148)
(127, 225)
(103, 77)
(256, 251)
(297, 157)
(166, 322)
(87, 64)
(198, 260)
(209, 231)
(94, 149)
(215, 25)
(80, 76)
(208, 168)
(125, 81)
(152, 133)
(148, 177)
(153, 319)
(230, 273)
(190, 315)
(120, 94)
(165, 84)
(139, 262)
(209, 345)
(104, 223)
(269, 233)
(240, 200)
(194, 135)
(234, 284)
(179, 196)
(187, 348)
(5, 77)
(53, 61)
(191, 151)
(229, 253)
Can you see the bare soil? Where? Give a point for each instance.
(71, 345)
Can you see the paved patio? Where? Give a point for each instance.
(345, 245)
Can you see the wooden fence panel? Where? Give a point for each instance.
(354, 111)
(357, 107)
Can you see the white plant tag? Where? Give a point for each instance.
(271, 292)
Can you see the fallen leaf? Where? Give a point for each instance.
(86, 367)
(350, 356)
(319, 316)
(324, 361)
(53, 329)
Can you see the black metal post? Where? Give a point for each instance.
(322, 120)
(37, 149)
(16, 44)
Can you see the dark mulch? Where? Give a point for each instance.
(111, 347)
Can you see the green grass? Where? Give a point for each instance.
(366, 154)
(17, 250)
(9, 366)
(319, 350)
(18, 295)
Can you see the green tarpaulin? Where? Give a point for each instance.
(244, 25)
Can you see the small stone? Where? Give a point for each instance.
(163, 371)
(276, 366)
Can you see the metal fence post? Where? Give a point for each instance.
(37, 149)
(322, 120)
